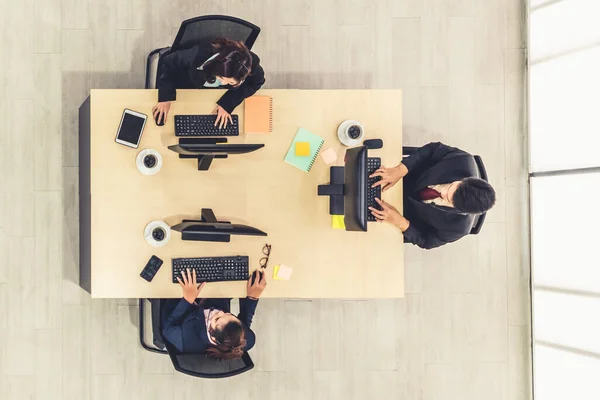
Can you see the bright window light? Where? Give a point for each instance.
(564, 225)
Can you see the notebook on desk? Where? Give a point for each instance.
(258, 115)
(304, 162)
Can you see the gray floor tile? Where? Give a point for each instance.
(20, 348)
(47, 26)
(48, 355)
(407, 8)
(434, 43)
(20, 388)
(105, 326)
(3, 255)
(271, 332)
(18, 46)
(296, 12)
(72, 293)
(3, 339)
(327, 349)
(296, 56)
(518, 272)
(104, 387)
(297, 331)
(75, 89)
(272, 384)
(75, 15)
(461, 8)
(76, 352)
(158, 387)
(48, 252)
(19, 186)
(519, 363)
(490, 41)
(130, 367)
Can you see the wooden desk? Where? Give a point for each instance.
(258, 189)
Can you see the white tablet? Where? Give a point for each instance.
(131, 128)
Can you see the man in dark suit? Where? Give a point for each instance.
(442, 195)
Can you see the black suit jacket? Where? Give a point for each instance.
(178, 70)
(185, 326)
(432, 225)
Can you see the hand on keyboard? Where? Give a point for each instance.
(389, 176)
(389, 213)
(222, 117)
(190, 289)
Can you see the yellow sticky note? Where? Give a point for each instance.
(275, 270)
(302, 149)
(337, 222)
(282, 273)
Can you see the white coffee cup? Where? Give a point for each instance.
(148, 161)
(157, 233)
(351, 133)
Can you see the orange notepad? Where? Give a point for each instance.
(258, 115)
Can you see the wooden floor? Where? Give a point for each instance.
(463, 330)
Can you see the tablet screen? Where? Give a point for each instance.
(131, 128)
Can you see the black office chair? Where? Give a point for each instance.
(478, 219)
(197, 364)
(201, 29)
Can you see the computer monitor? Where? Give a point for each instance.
(205, 153)
(208, 229)
(355, 189)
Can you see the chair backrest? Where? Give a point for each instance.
(479, 219)
(209, 27)
(199, 365)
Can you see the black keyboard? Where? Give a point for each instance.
(204, 125)
(373, 164)
(213, 269)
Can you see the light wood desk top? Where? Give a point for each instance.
(258, 189)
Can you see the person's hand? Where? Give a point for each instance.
(188, 286)
(160, 111)
(222, 117)
(255, 290)
(389, 176)
(389, 213)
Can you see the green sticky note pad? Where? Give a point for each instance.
(337, 222)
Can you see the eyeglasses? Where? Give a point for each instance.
(265, 260)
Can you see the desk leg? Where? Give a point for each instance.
(85, 217)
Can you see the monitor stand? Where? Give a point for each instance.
(335, 190)
(205, 160)
(207, 216)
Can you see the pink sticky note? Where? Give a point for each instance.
(329, 156)
(284, 272)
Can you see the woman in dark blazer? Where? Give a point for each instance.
(221, 63)
(207, 326)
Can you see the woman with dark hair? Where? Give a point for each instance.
(207, 326)
(221, 63)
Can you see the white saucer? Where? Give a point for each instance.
(139, 162)
(343, 136)
(148, 233)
